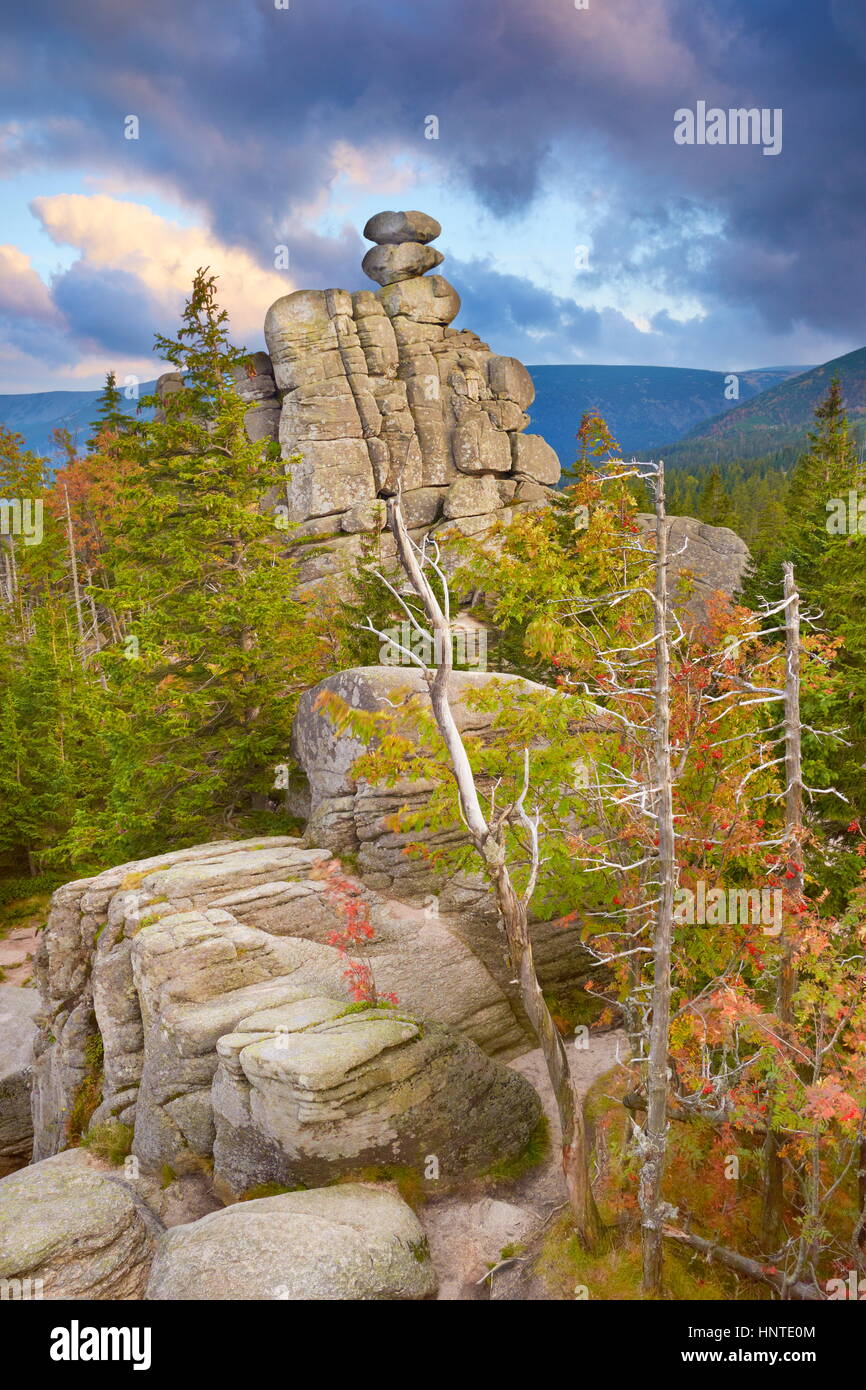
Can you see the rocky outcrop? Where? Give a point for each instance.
(159, 959)
(713, 556)
(256, 385)
(150, 964)
(347, 1242)
(377, 387)
(347, 814)
(18, 1032)
(80, 1232)
(313, 1090)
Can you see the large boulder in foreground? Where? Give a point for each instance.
(347, 1242)
(79, 1231)
(313, 1090)
(18, 1032)
(146, 966)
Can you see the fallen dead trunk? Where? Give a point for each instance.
(741, 1264)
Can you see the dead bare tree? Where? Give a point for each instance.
(636, 690)
(488, 837)
(773, 1193)
(632, 691)
(73, 570)
(653, 1209)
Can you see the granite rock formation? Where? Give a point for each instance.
(162, 958)
(83, 1233)
(18, 1032)
(351, 1241)
(377, 387)
(714, 557)
(312, 1090)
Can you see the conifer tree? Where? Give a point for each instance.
(827, 470)
(714, 506)
(110, 416)
(216, 644)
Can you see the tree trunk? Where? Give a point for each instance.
(655, 1132)
(773, 1192)
(741, 1264)
(73, 567)
(575, 1149)
(513, 909)
(860, 1231)
(94, 618)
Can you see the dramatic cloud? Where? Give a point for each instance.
(22, 293)
(279, 126)
(131, 279)
(134, 242)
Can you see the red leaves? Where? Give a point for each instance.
(828, 1101)
(345, 896)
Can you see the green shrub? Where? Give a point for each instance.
(16, 889)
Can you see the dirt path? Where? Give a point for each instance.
(17, 950)
(468, 1234)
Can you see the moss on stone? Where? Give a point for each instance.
(269, 1189)
(88, 1094)
(536, 1151)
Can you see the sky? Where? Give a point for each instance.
(540, 133)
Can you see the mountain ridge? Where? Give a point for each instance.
(779, 418)
(645, 407)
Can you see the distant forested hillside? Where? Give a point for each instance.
(36, 414)
(776, 422)
(644, 407)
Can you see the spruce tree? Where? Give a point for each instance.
(714, 504)
(111, 418)
(826, 471)
(216, 644)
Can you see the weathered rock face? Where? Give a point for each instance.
(18, 1033)
(377, 387)
(160, 981)
(350, 815)
(162, 958)
(347, 813)
(82, 1233)
(351, 1241)
(255, 383)
(716, 557)
(310, 1091)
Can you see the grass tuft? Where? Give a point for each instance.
(111, 1141)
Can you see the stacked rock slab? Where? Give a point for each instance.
(313, 1090)
(162, 958)
(378, 388)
